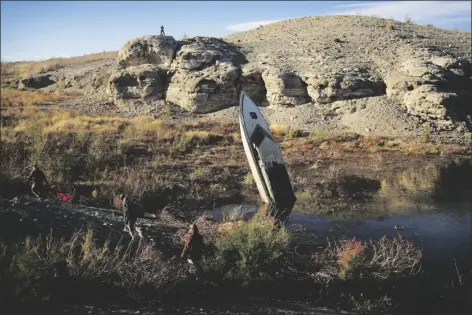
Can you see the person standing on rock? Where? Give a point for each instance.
(38, 178)
(193, 250)
(162, 31)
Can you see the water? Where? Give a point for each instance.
(431, 206)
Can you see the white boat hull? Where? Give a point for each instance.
(265, 158)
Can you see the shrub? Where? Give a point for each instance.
(249, 180)
(426, 133)
(253, 251)
(351, 255)
(381, 259)
(389, 26)
(37, 267)
(278, 129)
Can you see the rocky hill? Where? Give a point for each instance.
(352, 73)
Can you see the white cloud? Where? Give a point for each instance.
(241, 27)
(356, 5)
(419, 11)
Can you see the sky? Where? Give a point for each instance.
(35, 30)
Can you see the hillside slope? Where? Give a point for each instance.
(332, 73)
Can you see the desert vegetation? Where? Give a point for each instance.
(249, 255)
(14, 70)
(382, 259)
(146, 157)
(159, 161)
(46, 266)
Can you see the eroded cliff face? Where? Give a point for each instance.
(201, 74)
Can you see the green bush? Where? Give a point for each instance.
(253, 251)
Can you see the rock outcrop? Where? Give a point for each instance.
(213, 88)
(156, 50)
(199, 52)
(144, 82)
(433, 89)
(284, 88)
(253, 84)
(198, 74)
(355, 84)
(367, 59)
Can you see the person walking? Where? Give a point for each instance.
(131, 212)
(193, 250)
(162, 31)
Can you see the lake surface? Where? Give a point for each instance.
(432, 206)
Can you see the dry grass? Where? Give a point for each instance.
(23, 69)
(144, 157)
(426, 133)
(122, 153)
(371, 306)
(278, 129)
(389, 26)
(249, 180)
(382, 259)
(16, 98)
(47, 265)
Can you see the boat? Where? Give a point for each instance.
(265, 160)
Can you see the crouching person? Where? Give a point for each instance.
(39, 181)
(193, 250)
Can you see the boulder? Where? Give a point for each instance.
(437, 88)
(411, 74)
(284, 88)
(443, 72)
(329, 88)
(254, 86)
(156, 50)
(427, 102)
(141, 82)
(199, 52)
(36, 81)
(213, 88)
(447, 109)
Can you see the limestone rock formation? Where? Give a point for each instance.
(137, 83)
(254, 85)
(213, 88)
(325, 60)
(436, 88)
(156, 50)
(355, 84)
(196, 53)
(284, 88)
(197, 74)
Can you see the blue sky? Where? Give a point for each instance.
(40, 30)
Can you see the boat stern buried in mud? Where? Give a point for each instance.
(265, 159)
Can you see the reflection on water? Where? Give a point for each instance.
(433, 205)
(414, 191)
